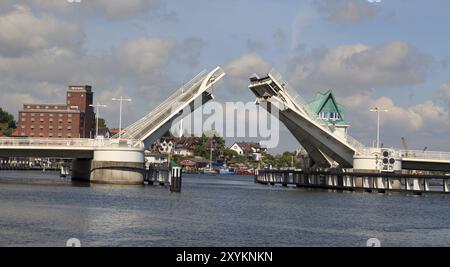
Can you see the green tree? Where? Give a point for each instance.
(7, 123)
(101, 123)
(239, 159)
(229, 154)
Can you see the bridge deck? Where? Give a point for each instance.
(61, 148)
(146, 129)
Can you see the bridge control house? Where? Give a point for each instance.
(74, 119)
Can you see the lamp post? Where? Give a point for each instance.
(378, 110)
(98, 106)
(121, 99)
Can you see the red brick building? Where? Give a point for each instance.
(75, 119)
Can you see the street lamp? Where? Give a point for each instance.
(378, 110)
(98, 106)
(121, 99)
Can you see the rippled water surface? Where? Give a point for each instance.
(41, 209)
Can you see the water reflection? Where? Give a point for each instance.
(41, 209)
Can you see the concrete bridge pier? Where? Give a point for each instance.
(111, 166)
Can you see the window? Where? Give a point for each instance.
(50, 134)
(70, 115)
(51, 114)
(23, 119)
(50, 127)
(28, 106)
(46, 107)
(68, 102)
(59, 127)
(41, 120)
(69, 127)
(32, 127)
(60, 115)
(41, 127)
(59, 134)
(32, 114)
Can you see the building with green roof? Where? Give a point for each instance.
(325, 106)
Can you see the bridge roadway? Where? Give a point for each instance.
(62, 148)
(191, 95)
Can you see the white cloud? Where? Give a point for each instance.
(145, 55)
(418, 122)
(239, 69)
(444, 92)
(350, 68)
(21, 32)
(120, 9)
(112, 9)
(347, 10)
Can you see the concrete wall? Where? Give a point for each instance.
(117, 172)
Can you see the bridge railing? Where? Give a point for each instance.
(139, 126)
(302, 106)
(68, 142)
(426, 155)
(164, 112)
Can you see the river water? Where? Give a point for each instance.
(41, 209)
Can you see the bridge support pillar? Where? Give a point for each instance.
(416, 185)
(81, 169)
(380, 183)
(426, 185)
(111, 166)
(446, 185)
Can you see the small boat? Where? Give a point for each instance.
(209, 171)
(226, 172)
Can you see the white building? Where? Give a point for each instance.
(251, 150)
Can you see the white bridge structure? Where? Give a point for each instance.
(325, 145)
(118, 160)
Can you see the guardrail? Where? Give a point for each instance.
(427, 155)
(69, 142)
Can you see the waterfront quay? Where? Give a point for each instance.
(355, 181)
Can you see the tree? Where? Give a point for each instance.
(239, 159)
(7, 123)
(101, 123)
(229, 154)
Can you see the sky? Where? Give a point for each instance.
(392, 54)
